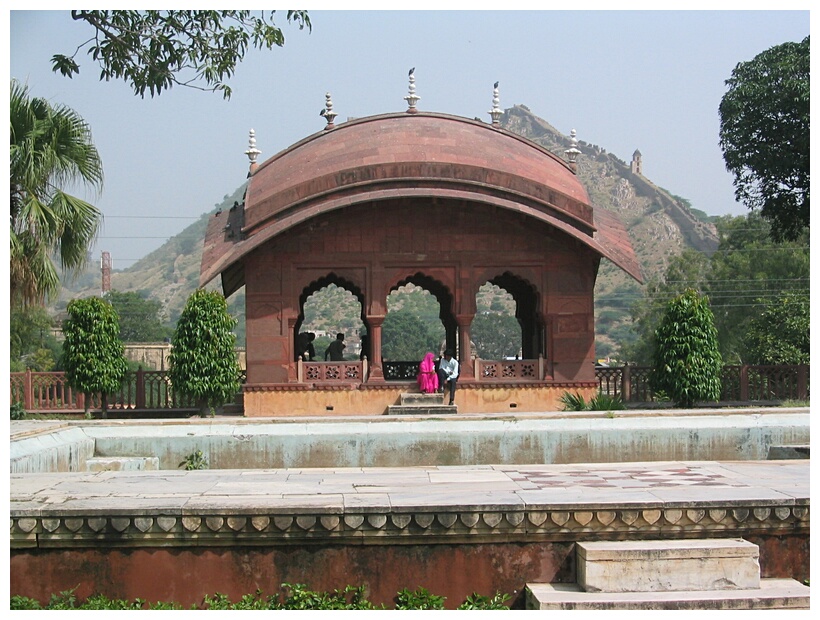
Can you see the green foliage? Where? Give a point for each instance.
(50, 148)
(99, 601)
(93, 353)
(746, 274)
(202, 361)
(154, 50)
(478, 602)
(780, 334)
(606, 402)
(764, 134)
(23, 603)
(573, 402)
(195, 460)
(419, 598)
(496, 336)
(299, 597)
(406, 337)
(18, 412)
(295, 597)
(599, 402)
(687, 361)
(139, 317)
(64, 600)
(31, 343)
(684, 271)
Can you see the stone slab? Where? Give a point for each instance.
(122, 463)
(772, 594)
(422, 410)
(667, 565)
(417, 399)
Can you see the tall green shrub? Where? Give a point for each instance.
(93, 354)
(687, 361)
(203, 362)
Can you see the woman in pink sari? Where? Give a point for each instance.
(427, 378)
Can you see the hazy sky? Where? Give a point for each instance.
(623, 79)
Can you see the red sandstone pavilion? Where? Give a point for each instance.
(440, 201)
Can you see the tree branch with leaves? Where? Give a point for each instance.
(155, 50)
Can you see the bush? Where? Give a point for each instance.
(573, 402)
(18, 412)
(195, 460)
(297, 596)
(418, 599)
(203, 362)
(599, 402)
(477, 601)
(605, 402)
(687, 361)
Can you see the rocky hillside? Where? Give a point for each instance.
(660, 225)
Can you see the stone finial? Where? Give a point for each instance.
(496, 112)
(253, 153)
(412, 98)
(328, 113)
(572, 152)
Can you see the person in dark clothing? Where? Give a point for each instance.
(304, 346)
(335, 351)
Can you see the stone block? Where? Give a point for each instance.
(667, 565)
(772, 594)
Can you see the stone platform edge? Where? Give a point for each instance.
(168, 526)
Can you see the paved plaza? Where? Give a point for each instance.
(512, 486)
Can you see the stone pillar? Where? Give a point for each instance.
(375, 333)
(293, 375)
(465, 352)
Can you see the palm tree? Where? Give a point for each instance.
(51, 148)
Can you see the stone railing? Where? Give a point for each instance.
(331, 372)
(510, 370)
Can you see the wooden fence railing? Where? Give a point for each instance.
(143, 390)
(738, 383)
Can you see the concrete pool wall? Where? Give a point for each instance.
(378, 441)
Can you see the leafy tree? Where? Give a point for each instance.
(93, 354)
(687, 360)
(764, 134)
(747, 272)
(405, 337)
(31, 343)
(780, 334)
(686, 270)
(139, 317)
(154, 50)
(51, 148)
(496, 336)
(203, 361)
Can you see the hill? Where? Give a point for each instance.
(660, 224)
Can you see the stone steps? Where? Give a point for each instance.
(772, 594)
(669, 574)
(416, 403)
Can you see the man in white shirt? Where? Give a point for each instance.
(448, 374)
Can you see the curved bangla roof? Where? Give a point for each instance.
(406, 155)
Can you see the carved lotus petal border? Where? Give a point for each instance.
(182, 529)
